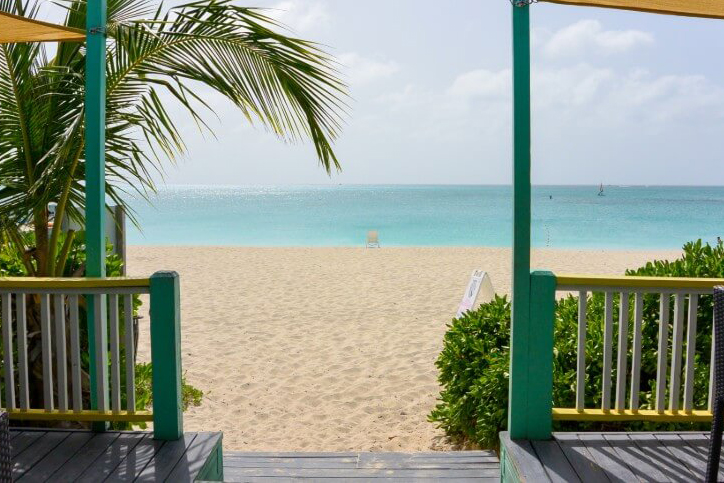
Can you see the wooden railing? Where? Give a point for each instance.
(620, 387)
(685, 293)
(109, 306)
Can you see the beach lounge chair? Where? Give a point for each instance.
(717, 425)
(372, 239)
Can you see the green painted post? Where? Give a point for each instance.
(166, 356)
(95, 186)
(540, 354)
(520, 324)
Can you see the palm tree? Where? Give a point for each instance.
(156, 56)
(288, 85)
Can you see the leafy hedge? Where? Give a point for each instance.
(473, 365)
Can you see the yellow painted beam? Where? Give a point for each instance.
(14, 28)
(71, 283)
(42, 415)
(624, 281)
(571, 414)
(685, 8)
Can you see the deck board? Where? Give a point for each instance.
(664, 457)
(58, 455)
(462, 466)
(52, 461)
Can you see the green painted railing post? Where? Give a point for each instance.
(519, 332)
(95, 187)
(540, 354)
(166, 356)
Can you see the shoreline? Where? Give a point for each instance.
(330, 349)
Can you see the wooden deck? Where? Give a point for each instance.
(604, 457)
(55, 455)
(462, 466)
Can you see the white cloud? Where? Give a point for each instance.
(588, 36)
(574, 100)
(411, 96)
(363, 70)
(481, 83)
(569, 86)
(301, 15)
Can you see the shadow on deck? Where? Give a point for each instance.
(56, 455)
(603, 457)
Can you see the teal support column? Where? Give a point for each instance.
(166, 356)
(95, 187)
(520, 322)
(540, 355)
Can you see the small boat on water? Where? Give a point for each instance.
(600, 190)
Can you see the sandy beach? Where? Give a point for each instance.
(329, 349)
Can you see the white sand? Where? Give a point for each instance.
(329, 349)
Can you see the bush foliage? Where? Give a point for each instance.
(473, 365)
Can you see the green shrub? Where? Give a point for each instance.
(474, 361)
(190, 396)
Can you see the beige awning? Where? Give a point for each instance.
(20, 29)
(688, 8)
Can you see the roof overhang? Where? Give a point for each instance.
(686, 8)
(14, 28)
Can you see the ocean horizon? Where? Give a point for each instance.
(635, 217)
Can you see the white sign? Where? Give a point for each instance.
(479, 282)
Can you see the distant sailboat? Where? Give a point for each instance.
(600, 190)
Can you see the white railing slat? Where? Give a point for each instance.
(21, 315)
(636, 356)
(130, 367)
(60, 353)
(47, 352)
(9, 375)
(622, 352)
(690, 353)
(75, 364)
(581, 356)
(677, 350)
(115, 354)
(607, 352)
(662, 362)
(101, 354)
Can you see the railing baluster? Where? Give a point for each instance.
(130, 366)
(60, 355)
(75, 364)
(622, 352)
(47, 355)
(607, 352)
(115, 354)
(9, 375)
(101, 353)
(676, 351)
(663, 355)
(636, 356)
(581, 356)
(21, 316)
(690, 353)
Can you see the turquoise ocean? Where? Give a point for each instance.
(563, 216)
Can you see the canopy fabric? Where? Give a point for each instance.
(20, 29)
(687, 8)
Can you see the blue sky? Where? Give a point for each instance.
(618, 97)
